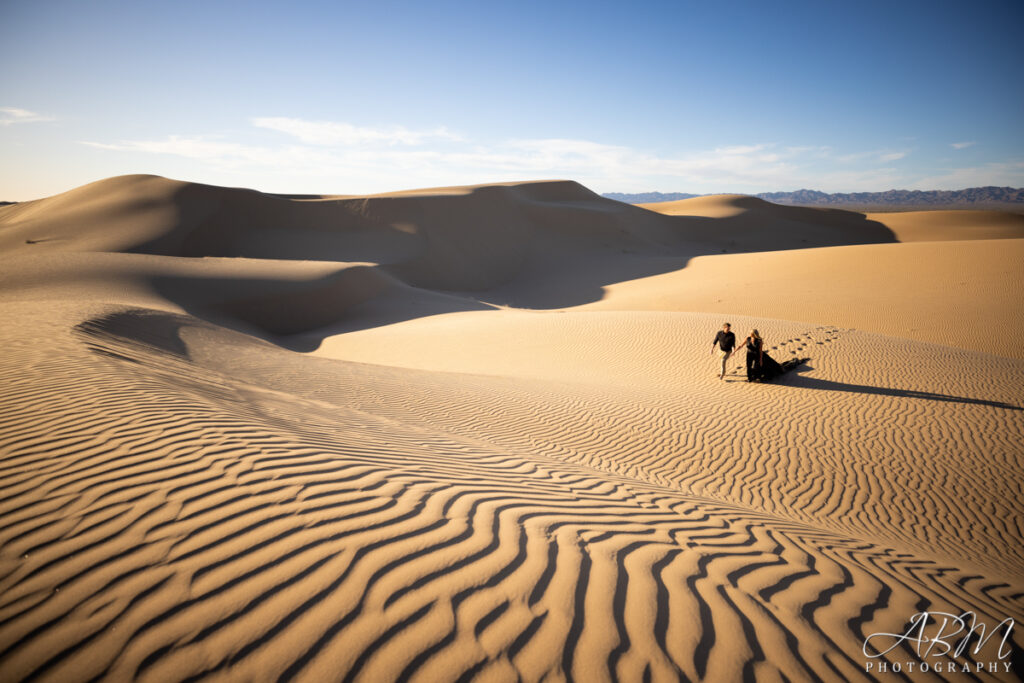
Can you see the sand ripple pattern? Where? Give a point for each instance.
(165, 517)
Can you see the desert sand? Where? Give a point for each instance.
(476, 433)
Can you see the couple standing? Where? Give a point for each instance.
(725, 341)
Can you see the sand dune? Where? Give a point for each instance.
(917, 226)
(905, 226)
(467, 239)
(252, 437)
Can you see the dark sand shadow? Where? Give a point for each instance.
(798, 379)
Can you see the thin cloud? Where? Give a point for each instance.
(1009, 173)
(740, 149)
(961, 145)
(603, 164)
(599, 165)
(225, 155)
(339, 133)
(352, 160)
(376, 151)
(12, 115)
(190, 147)
(891, 156)
(882, 156)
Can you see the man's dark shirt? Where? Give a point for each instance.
(725, 340)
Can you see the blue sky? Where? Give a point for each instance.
(346, 98)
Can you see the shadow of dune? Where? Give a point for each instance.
(298, 313)
(148, 330)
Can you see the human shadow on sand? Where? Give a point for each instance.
(799, 379)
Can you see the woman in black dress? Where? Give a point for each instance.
(755, 355)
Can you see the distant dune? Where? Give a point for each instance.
(919, 226)
(990, 197)
(475, 433)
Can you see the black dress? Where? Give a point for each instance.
(770, 369)
(754, 350)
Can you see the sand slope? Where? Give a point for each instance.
(268, 445)
(905, 226)
(958, 293)
(916, 226)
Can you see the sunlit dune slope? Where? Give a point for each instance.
(905, 226)
(917, 226)
(964, 294)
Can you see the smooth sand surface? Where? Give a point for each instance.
(907, 226)
(920, 226)
(476, 434)
(964, 294)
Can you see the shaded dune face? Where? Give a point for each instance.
(460, 239)
(253, 437)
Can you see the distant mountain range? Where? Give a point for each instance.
(975, 196)
(648, 197)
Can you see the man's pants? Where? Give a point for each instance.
(725, 356)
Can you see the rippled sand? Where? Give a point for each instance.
(255, 438)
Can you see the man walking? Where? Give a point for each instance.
(726, 342)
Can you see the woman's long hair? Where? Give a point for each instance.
(756, 335)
